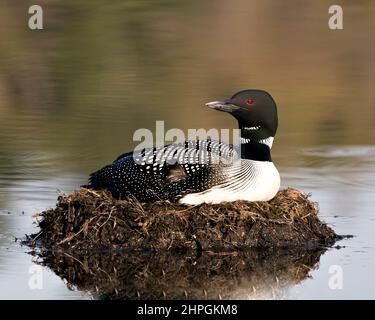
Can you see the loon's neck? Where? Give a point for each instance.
(255, 145)
(255, 151)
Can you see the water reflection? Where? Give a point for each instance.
(246, 275)
(364, 153)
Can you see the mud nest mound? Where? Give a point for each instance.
(88, 219)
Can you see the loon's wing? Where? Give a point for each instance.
(165, 173)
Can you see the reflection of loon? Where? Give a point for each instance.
(199, 171)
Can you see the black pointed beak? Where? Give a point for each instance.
(222, 106)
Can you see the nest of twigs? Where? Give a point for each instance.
(89, 219)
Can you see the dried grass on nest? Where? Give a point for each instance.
(93, 219)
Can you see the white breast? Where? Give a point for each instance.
(247, 180)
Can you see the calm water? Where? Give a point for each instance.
(72, 95)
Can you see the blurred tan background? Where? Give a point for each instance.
(99, 70)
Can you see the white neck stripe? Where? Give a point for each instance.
(268, 142)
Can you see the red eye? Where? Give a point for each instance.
(249, 102)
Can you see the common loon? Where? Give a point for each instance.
(194, 172)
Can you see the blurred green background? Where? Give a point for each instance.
(77, 90)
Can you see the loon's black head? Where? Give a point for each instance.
(255, 111)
